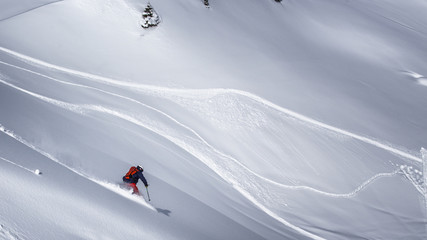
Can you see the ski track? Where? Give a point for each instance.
(121, 192)
(104, 184)
(26, 169)
(350, 194)
(82, 109)
(208, 93)
(218, 169)
(29, 10)
(204, 93)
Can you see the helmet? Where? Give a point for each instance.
(139, 167)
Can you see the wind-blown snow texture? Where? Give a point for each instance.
(253, 119)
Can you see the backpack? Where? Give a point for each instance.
(130, 173)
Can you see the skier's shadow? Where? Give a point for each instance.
(164, 211)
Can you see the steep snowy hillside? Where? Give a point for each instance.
(253, 119)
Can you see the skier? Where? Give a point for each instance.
(132, 176)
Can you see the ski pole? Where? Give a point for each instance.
(148, 194)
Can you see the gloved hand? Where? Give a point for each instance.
(147, 186)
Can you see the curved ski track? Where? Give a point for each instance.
(80, 110)
(104, 184)
(208, 93)
(226, 172)
(29, 10)
(226, 175)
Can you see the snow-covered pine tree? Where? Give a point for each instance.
(150, 18)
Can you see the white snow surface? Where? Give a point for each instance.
(253, 119)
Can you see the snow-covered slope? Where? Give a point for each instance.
(253, 119)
